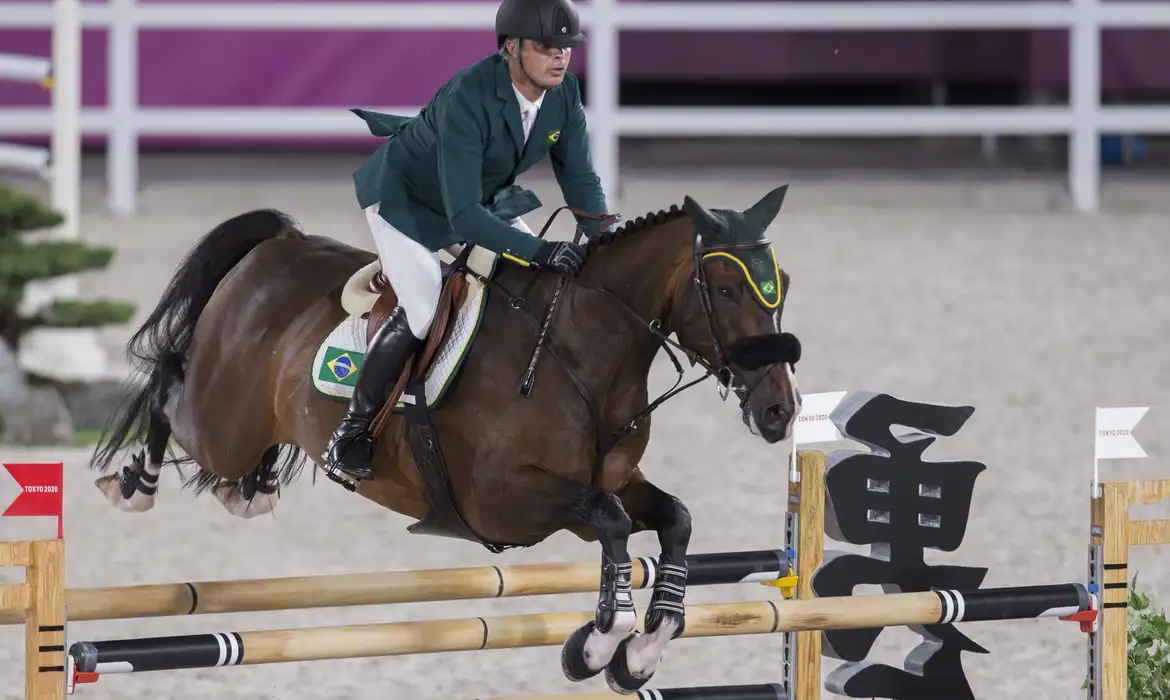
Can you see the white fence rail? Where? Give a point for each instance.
(66, 353)
(1083, 120)
(61, 162)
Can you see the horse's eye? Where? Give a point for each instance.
(726, 292)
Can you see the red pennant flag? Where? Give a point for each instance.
(41, 486)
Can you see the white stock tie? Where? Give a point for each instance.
(528, 116)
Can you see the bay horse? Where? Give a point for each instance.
(223, 367)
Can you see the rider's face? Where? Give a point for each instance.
(544, 65)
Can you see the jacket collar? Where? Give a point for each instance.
(511, 107)
(506, 92)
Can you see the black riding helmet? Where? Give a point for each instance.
(551, 22)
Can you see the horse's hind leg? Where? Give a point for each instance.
(133, 490)
(256, 493)
(651, 508)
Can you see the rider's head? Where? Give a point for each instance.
(537, 37)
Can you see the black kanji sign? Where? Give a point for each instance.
(900, 505)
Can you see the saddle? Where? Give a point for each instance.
(369, 295)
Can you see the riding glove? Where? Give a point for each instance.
(566, 256)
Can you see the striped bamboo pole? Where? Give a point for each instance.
(386, 588)
(516, 631)
(767, 691)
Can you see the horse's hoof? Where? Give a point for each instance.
(111, 487)
(573, 661)
(618, 675)
(232, 498)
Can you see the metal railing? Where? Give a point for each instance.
(1084, 119)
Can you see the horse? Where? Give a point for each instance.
(530, 416)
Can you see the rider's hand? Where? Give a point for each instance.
(566, 256)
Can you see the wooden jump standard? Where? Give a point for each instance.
(44, 590)
(1111, 536)
(550, 629)
(41, 600)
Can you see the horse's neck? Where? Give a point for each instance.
(645, 268)
(615, 348)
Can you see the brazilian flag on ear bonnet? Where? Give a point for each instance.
(729, 226)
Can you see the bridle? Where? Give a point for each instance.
(722, 369)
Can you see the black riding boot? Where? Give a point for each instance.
(350, 450)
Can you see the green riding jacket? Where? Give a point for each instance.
(447, 175)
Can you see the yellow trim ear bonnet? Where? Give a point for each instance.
(759, 265)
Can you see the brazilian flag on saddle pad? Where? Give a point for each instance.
(340, 366)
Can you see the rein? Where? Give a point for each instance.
(723, 371)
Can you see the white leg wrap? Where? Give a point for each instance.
(138, 502)
(644, 651)
(599, 647)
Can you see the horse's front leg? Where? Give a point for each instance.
(590, 648)
(651, 508)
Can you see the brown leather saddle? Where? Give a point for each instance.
(451, 298)
(442, 518)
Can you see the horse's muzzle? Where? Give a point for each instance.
(775, 421)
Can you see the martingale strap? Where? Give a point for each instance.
(528, 379)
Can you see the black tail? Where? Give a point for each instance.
(158, 349)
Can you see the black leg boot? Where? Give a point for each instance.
(350, 450)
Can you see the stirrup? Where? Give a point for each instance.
(340, 477)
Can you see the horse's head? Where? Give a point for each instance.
(730, 313)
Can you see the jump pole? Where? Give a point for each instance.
(804, 544)
(392, 587)
(763, 691)
(550, 629)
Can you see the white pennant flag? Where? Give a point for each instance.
(1115, 433)
(1114, 438)
(813, 424)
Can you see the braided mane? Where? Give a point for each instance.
(634, 226)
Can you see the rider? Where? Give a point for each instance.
(446, 176)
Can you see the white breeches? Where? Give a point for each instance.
(412, 270)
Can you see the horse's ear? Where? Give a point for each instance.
(760, 216)
(704, 220)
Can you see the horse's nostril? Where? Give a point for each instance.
(773, 416)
